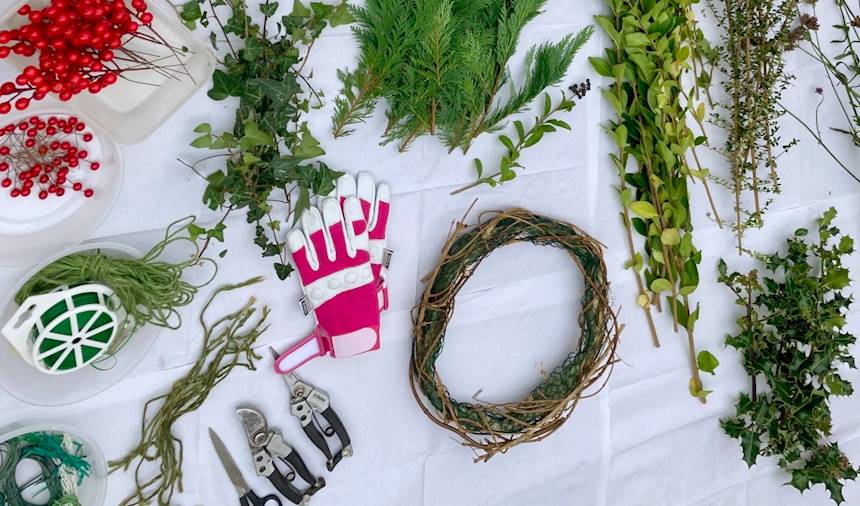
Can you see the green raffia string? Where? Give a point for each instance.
(48, 451)
(227, 344)
(149, 289)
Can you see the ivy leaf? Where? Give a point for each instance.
(340, 15)
(255, 137)
(224, 86)
(707, 362)
(283, 271)
(308, 147)
(269, 8)
(299, 9)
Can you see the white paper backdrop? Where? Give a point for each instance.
(641, 441)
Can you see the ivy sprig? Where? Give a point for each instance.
(270, 155)
(793, 340)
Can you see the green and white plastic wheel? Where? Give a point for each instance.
(66, 330)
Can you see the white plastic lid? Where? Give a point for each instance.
(33, 229)
(25, 382)
(91, 492)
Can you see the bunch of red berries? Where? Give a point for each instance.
(76, 42)
(37, 155)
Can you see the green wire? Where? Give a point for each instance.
(149, 289)
(46, 449)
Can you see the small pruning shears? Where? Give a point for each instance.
(306, 401)
(267, 445)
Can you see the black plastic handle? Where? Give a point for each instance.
(317, 439)
(286, 488)
(295, 461)
(334, 421)
(252, 499)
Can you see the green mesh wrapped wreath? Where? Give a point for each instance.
(494, 428)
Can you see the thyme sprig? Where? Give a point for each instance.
(756, 35)
(792, 338)
(271, 165)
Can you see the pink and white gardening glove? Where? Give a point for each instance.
(375, 204)
(330, 250)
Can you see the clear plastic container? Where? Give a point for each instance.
(33, 229)
(94, 487)
(28, 384)
(130, 111)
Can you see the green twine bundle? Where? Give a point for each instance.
(227, 344)
(47, 450)
(150, 290)
(491, 428)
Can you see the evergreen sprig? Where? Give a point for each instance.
(270, 156)
(792, 337)
(442, 67)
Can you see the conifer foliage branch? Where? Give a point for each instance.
(442, 68)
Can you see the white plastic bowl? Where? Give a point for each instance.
(92, 491)
(33, 229)
(28, 384)
(129, 112)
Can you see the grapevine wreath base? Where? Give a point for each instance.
(494, 428)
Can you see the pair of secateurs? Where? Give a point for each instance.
(266, 446)
(306, 401)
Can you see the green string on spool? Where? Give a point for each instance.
(150, 290)
(47, 450)
(58, 320)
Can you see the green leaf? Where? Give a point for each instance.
(224, 86)
(309, 146)
(204, 141)
(283, 271)
(504, 139)
(255, 137)
(299, 9)
(340, 15)
(750, 444)
(203, 128)
(661, 285)
(837, 279)
(707, 362)
(521, 131)
(479, 167)
(644, 209)
(601, 66)
(697, 391)
(636, 39)
(670, 237)
(269, 8)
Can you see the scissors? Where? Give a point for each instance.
(247, 497)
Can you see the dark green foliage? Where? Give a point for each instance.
(440, 65)
(793, 340)
(268, 154)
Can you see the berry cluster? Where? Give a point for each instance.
(80, 46)
(36, 156)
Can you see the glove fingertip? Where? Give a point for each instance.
(346, 186)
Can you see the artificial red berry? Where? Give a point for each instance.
(88, 193)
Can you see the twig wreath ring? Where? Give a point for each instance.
(490, 428)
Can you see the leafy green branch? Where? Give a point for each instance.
(543, 124)
(271, 166)
(792, 338)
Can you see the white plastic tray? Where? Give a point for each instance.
(92, 491)
(33, 229)
(26, 383)
(128, 111)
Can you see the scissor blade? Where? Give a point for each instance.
(229, 464)
(290, 378)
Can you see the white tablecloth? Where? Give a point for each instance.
(642, 441)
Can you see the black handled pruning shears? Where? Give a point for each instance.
(305, 402)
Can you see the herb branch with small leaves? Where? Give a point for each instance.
(271, 167)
